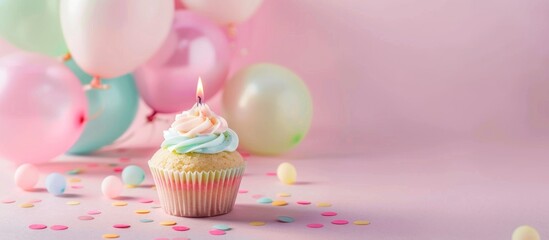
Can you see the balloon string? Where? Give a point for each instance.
(96, 83)
(152, 119)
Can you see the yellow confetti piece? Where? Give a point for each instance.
(119, 204)
(361, 222)
(131, 186)
(257, 223)
(111, 235)
(284, 195)
(74, 180)
(26, 205)
(323, 204)
(168, 223)
(142, 211)
(73, 203)
(279, 203)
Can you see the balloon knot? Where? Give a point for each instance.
(151, 117)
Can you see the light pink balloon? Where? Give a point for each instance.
(195, 48)
(109, 38)
(42, 108)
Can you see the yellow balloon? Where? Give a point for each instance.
(269, 107)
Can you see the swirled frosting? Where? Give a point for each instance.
(200, 130)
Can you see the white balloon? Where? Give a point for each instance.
(224, 11)
(109, 38)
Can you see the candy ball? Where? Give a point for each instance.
(286, 173)
(525, 233)
(133, 175)
(26, 176)
(56, 184)
(111, 186)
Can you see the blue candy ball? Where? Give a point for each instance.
(56, 184)
(133, 175)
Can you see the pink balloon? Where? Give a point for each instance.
(42, 108)
(195, 48)
(6, 48)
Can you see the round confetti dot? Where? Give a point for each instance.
(77, 186)
(110, 235)
(119, 204)
(323, 204)
(59, 227)
(86, 218)
(279, 203)
(256, 196)
(271, 174)
(315, 225)
(75, 180)
(361, 222)
(217, 232)
(284, 195)
(142, 211)
(223, 227)
(145, 200)
(155, 206)
(94, 212)
(26, 205)
(257, 223)
(118, 169)
(340, 222)
(131, 186)
(121, 225)
(7, 201)
(145, 220)
(35, 201)
(242, 191)
(303, 202)
(73, 203)
(264, 200)
(285, 219)
(180, 228)
(167, 223)
(75, 171)
(328, 214)
(37, 226)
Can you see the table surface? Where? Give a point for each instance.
(461, 190)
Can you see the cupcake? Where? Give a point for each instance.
(197, 170)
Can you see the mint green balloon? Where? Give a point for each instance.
(110, 111)
(32, 25)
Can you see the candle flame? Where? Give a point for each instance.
(199, 91)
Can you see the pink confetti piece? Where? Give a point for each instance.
(303, 202)
(37, 226)
(217, 232)
(180, 228)
(124, 159)
(340, 222)
(77, 186)
(271, 174)
(121, 225)
(257, 196)
(94, 212)
(35, 201)
(328, 214)
(59, 227)
(118, 169)
(315, 225)
(86, 218)
(145, 200)
(7, 201)
(242, 191)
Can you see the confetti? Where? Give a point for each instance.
(361, 222)
(279, 203)
(217, 232)
(145, 200)
(285, 219)
(155, 206)
(257, 223)
(92, 165)
(94, 212)
(110, 235)
(323, 204)
(119, 204)
(35, 201)
(167, 223)
(124, 159)
(26, 205)
(145, 220)
(315, 225)
(242, 191)
(118, 169)
(75, 171)
(121, 225)
(7, 201)
(264, 200)
(256, 196)
(284, 195)
(37, 226)
(59, 227)
(271, 174)
(77, 186)
(73, 203)
(328, 214)
(113, 164)
(75, 180)
(180, 228)
(142, 211)
(131, 186)
(303, 202)
(340, 222)
(85, 218)
(223, 227)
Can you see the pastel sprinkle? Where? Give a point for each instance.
(264, 200)
(167, 223)
(242, 191)
(131, 186)
(328, 214)
(110, 235)
(180, 228)
(119, 204)
(94, 212)
(271, 174)
(35, 201)
(285, 219)
(284, 195)
(26, 205)
(142, 211)
(256, 196)
(145, 200)
(85, 218)
(155, 206)
(303, 202)
(74, 171)
(257, 223)
(37, 226)
(7, 201)
(223, 227)
(217, 232)
(340, 222)
(279, 203)
(59, 227)
(77, 186)
(118, 169)
(121, 225)
(145, 220)
(75, 180)
(315, 225)
(113, 164)
(73, 203)
(323, 204)
(361, 222)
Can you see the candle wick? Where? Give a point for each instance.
(199, 100)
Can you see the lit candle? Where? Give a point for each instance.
(199, 92)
